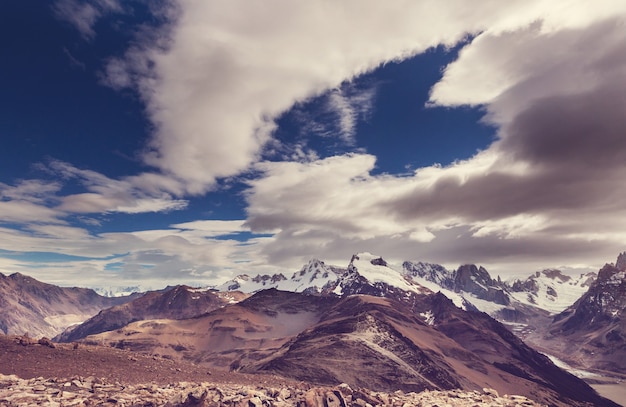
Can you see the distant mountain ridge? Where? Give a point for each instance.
(469, 286)
(313, 277)
(29, 306)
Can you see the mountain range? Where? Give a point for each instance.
(409, 326)
(470, 287)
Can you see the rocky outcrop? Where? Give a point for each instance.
(620, 264)
(81, 391)
(477, 281)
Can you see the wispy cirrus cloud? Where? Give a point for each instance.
(83, 15)
(44, 201)
(109, 195)
(335, 113)
(28, 201)
(351, 105)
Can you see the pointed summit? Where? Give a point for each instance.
(372, 275)
(476, 280)
(620, 264)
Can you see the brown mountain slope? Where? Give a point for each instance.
(179, 302)
(28, 306)
(380, 343)
(230, 336)
(361, 340)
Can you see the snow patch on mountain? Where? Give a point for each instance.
(551, 289)
(429, 317)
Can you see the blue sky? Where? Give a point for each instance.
(152, 143)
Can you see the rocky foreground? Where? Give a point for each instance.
(41, 373)
(90, 391)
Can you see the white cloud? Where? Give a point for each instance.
(18, 211)
(556, 53)
(136, 194)
(26, 202)
(335, 194)
(226, 70)
(34, 191)
(477, 210)
(38, 201)
(213, 227)
(551, 77)
(150, 258)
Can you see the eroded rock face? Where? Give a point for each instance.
(477, 281)
(85, 391)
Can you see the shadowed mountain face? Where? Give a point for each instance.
(427, 344)
(179, 302)
(359, 341)
(39, 309)
(594, 328)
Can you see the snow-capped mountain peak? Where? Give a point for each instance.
(470, 287)
(313, 277)
(551, 289)
(120, 291)
(371, 274)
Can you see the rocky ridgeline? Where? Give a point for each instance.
(90, 391)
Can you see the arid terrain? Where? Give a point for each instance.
(41, 373)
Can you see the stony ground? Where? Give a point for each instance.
(90, 391)
(40, 373)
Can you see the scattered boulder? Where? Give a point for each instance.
(46, 342)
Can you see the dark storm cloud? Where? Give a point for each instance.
(585, 133)
(573, 146)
